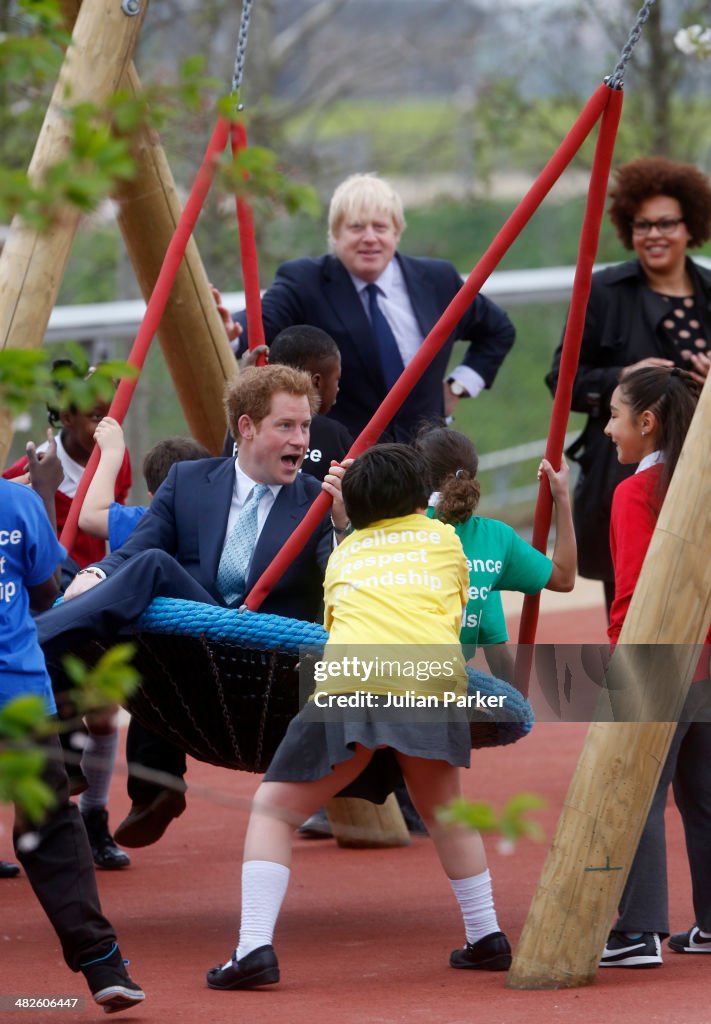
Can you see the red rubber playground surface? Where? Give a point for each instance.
(364, 936)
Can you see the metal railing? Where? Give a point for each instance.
(499, 492)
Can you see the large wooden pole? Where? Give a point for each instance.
(32, 263)
(614, 782)
(191, 333)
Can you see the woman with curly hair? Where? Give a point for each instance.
(654, 310)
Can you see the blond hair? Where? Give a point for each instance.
(363, 194)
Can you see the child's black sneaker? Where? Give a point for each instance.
(110, 983)
(632, 949)
(492, 953)
(690, 942)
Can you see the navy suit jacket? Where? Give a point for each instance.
(320, 292)
(188, 519)
(175, 552)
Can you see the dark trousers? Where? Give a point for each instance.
(60, 869)
(152, 752)
(644, 906)
(118, 601)
(105, 611)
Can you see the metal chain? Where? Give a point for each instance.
(241, 52)
(616, 79)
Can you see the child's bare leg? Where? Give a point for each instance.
(433, 784)
(280, 807)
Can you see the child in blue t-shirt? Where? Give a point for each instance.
(100, 514)
(59, 861)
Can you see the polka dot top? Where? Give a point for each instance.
(683, 327)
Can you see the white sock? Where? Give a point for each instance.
(97, 765)
(264, 884)
(476, 902)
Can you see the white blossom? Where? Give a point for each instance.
(694, 41)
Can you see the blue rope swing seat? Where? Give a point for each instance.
(223, 685)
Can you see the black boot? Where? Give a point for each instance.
(106, 853)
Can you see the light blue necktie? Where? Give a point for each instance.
(390, 357)
(238, 549)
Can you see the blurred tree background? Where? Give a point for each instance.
(460, 105)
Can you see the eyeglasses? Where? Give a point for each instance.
(665, 225)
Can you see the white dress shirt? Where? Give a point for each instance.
(243, 487)
(396, 306)
(650, 460)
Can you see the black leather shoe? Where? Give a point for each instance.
(107, 855)
(8, 869)
(260, 967)
(492, 953)
(146, 823)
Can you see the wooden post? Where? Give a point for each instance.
(191, 333)
(32, 263)
(614, 782)
(360, 824)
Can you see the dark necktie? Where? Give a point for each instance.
(390, 357)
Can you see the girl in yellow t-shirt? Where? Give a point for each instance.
(397, 582)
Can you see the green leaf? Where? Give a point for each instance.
(75, 669)
(34, 797)
(22, 716)
(111, 681)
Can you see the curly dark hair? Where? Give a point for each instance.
(452, 463)
(652, 176)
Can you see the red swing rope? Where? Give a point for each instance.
(224, 129)
(437, 337)
(570, 355)
(154, 310)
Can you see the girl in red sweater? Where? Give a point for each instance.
(650, 413)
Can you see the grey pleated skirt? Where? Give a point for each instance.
(319, 739)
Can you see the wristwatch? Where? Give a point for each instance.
(457, 388)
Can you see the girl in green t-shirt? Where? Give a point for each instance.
(497, 558)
